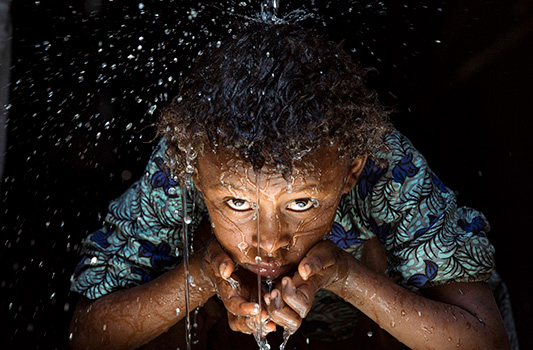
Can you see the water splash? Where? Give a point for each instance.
(286, 335)
(269, 285)
(269, 10)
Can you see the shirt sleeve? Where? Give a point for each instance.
(428, 239)
(142, 233)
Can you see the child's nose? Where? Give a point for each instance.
(271, 234)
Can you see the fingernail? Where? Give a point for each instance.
(307, 270)
(277, 300)
(264, 316)
(267, 301)
(284, 282)
(222, 268)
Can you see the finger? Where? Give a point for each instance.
(239, 324)
(306, 287)
(239, 306)
(297, 299)
(250, 325)
(280, 313)
(266, 325)
(318, 258)
(220, 261)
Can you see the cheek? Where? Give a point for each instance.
(320, 222)
(234, 234)
(301, 244)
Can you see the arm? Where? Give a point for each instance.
(448, 316)
(444, 317)
(129, 318)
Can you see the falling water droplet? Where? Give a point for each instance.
(269, 285)
(370, 334)
(289, 188)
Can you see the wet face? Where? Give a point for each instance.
(290, 216)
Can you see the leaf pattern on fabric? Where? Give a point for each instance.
(475, 226)
(404, 169)
(142, 214)
(432, 221)
(82, 266)
(159, 255)
(419, 280)
(381, 231)
(163, 179)
(438, 183)
(342, 238)
(370, 175)
(145, 276)
(416, 218)
(100, 237)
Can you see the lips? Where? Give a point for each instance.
(269, 270)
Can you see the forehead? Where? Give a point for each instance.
(223, 166)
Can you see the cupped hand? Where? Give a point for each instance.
(324, 265)
(237, 292)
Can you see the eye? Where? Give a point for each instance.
(238, 204)
(302, 204)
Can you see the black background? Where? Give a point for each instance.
(458, 73)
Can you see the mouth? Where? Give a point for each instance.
(270, 270)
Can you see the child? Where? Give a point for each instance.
(281, 137)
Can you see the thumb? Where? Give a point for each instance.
(320, 257)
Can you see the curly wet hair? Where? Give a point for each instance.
(273, 93)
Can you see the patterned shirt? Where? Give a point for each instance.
(429, 240)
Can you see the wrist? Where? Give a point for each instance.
(345, 266)
(203, 278)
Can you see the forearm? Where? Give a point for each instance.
(416, 321)
(129, 318)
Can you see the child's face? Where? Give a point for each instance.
(289, 222)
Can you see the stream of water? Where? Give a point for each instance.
(185, 232)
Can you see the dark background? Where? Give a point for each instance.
(458, 74)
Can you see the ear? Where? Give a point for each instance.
(354, 171)
(196, 180)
